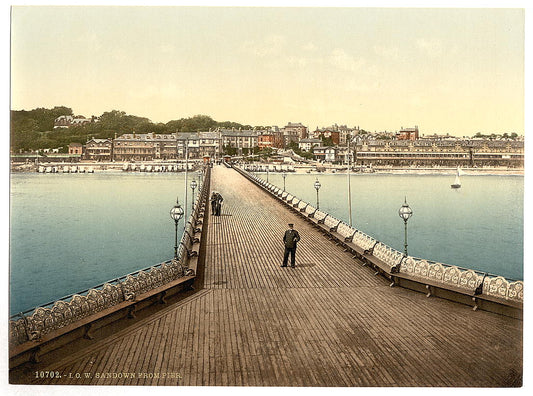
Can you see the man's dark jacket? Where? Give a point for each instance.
(290, 238)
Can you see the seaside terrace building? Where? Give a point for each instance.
(308, 144)
(134, 147)
(209, 144)
(408, 133)
(338, 134)
(272, 138)
(75, 148)
(331, 154)
(441, 152)
(242, 140)
(293, 132)
(99, 149)
(151, 146)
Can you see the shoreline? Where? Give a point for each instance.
(98, 167)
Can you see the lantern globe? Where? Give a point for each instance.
(176, 213)
(405, 212)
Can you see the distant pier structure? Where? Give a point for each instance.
(334, 320)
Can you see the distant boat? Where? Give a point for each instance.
(457, 181)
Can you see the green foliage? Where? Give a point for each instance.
(27, 127)
(326, 141)
(294, 147)
(34, 129)
(228, 150)
(493, 136)
(264, 152)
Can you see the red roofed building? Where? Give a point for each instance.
(408, 134)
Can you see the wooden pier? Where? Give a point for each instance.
(328, 322)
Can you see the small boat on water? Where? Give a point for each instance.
(457, 181)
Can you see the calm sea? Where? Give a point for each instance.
(70, 232)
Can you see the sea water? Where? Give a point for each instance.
(70, 232)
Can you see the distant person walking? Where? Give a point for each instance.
(218, 205)
(213, 200)
(290, 239)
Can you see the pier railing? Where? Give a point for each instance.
(31, 329)
(433, 278)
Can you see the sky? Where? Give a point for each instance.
(446, 70)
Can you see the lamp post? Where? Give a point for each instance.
(200, 175)
(405, 213)
(176, 213)
(317, 187)
(186, 176)
(349, 183)
(284, 176)
(193, 187)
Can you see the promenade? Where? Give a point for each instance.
(328, 322)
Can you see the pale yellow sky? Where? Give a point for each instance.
(456, 71)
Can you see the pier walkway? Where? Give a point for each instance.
(327, 322)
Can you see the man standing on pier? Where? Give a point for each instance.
(290, 239)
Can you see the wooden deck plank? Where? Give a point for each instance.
(128, 360)
(153, 341)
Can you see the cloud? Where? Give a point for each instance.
(389, 53)
(297, 61)
(431, 47)
(271, 45)
(344, 61)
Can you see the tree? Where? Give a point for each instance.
(228, 150)
(326, 141)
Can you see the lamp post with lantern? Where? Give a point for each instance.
(176, 214)
(405, 212)
(194, 184)
(200, 176)
(317, 187)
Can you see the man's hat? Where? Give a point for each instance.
(290, 224)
